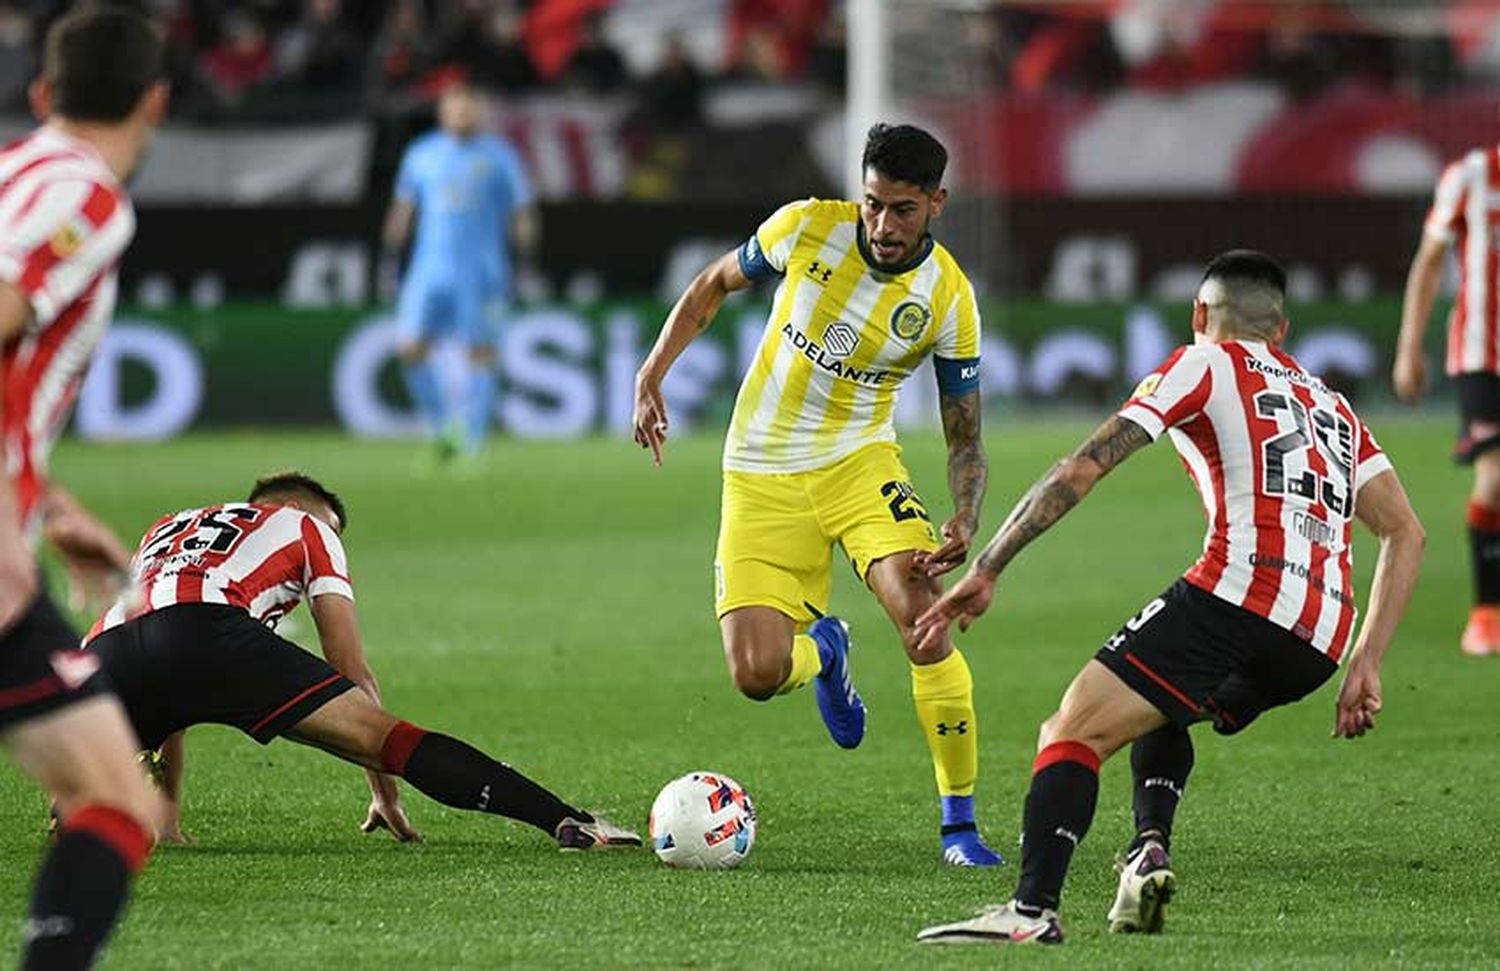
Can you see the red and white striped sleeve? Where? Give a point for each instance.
(61, 240)
(326, 569)
(1370, 459)
(1447, 212)
(1174, 393)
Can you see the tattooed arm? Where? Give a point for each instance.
(1044, 504)
(691, 315)
(1061, 489)
(968, 474)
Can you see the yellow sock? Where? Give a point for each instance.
(805, 664)
(944, 694)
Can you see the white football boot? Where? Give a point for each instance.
(998, 924)
(1146, 886)
(597, 834)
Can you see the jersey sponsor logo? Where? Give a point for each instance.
(1286, 374)
(1313, 529)
(1302, 572)
(840, 339)
(816, 353)
(909, 320)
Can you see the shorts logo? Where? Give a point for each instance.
(909, 320)
(73, 668)
(840, 339)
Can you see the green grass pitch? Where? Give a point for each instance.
(557, 613)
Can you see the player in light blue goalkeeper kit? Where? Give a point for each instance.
(472, 202)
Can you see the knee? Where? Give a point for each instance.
(481, 355)
(413, 353)
(142, 807)
(756, 674)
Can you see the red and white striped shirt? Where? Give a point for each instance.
(262, 559)
(1463, 213)
(1278, 460)
(64, 223)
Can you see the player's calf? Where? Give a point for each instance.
(456, 774)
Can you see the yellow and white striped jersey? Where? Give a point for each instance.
(841, 338)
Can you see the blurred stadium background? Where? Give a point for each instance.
(1101, 152)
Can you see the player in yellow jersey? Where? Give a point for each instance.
(811, 458)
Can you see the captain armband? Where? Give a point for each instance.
(956, 376)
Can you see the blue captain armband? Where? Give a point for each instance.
(753, 262)
(956, 377)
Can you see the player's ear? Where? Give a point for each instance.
(1200, 317)
(39, 94)
(1279, 337)
(939, 199)
(153, 103)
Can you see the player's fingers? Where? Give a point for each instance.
(937, 569)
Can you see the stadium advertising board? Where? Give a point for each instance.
(569, 371)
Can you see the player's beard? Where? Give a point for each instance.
(907, 251)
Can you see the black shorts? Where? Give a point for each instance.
(1197, 657)
(194, 663)
(1478, 401)
(41, 666)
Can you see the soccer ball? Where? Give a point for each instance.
(702, 821)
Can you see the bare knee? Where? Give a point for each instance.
(413, 353)
(129, 792)
(482, 356)
(1487, 472)
(756, 673)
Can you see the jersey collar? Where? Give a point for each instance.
(924, 250)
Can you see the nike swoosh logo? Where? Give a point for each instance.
(1022, 936)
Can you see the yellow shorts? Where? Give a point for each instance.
(777, 530)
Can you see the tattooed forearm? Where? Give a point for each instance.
(1114, 442)
(1047, 502)
(968, 469)
(1062, 488)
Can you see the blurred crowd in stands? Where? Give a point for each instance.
(286, 60)
(305, 60)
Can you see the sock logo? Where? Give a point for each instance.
(37, 928)
(1160, 783)
(962, 728)
(484, 798)
(1066, 834)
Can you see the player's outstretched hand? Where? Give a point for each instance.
(650, 416)
(1359, 701)
(958, 535)
(389, 816)
(96, 559)
(1409, 376)
(970, 598)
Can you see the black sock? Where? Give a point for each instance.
(1059, 809)
(81, 889)
(459, 775)
(1484, 552)
(1160, 762)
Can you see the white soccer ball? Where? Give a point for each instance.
(703, 821)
